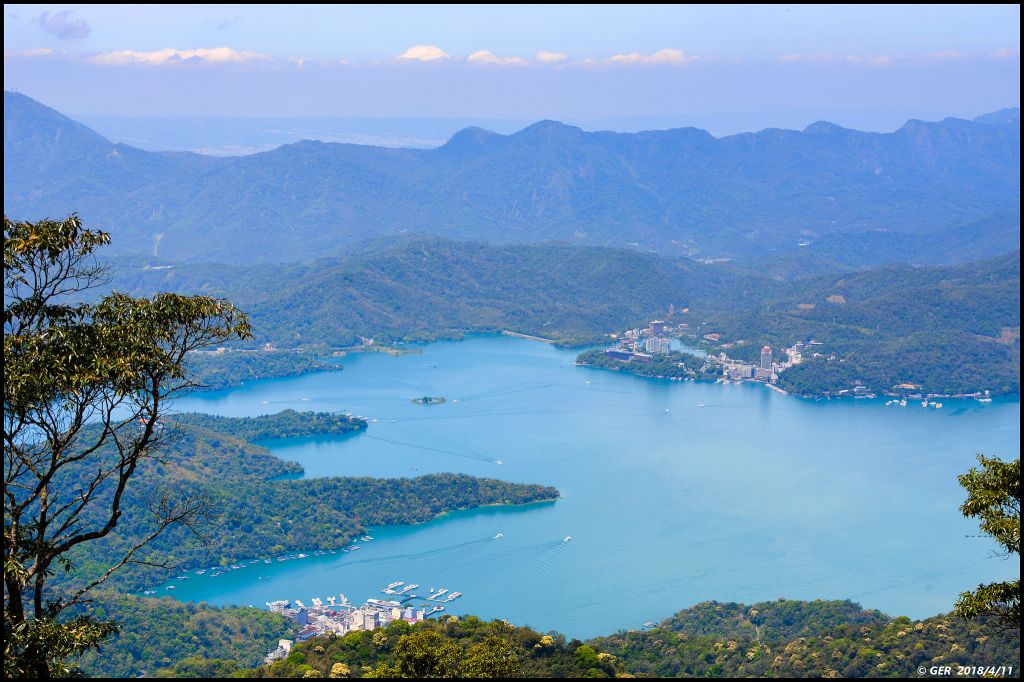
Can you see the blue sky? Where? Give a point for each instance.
(755, 65)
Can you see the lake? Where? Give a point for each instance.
(672, 493)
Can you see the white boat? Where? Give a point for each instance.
(498, 461)
(567, 538)
(498, 536)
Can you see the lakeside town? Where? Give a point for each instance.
(337, 616)
(652, 346)
(653, 343)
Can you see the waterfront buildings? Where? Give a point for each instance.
(641, 344)
(340, 617)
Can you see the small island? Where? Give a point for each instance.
(430, 400)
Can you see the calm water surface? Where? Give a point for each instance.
(673, 493)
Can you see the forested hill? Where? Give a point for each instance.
(424, 287)
(788, 638)
(771, 639)
(681, 191)
(947, 328)
(942, 329)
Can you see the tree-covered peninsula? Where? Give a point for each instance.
(252, 512)
(215, 370)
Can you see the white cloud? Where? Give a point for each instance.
(551, 57)
(877, 60)
(1005, 53)
(665, 56)
(631, 58)
(424, 53)
(488, 57)
(668, 56)
(872, 60)
(212, 55)
(34, 52)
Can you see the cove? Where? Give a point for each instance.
(673, 493)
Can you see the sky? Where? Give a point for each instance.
(724, 68)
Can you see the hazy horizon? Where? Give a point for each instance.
(725, 69)
(229, 135)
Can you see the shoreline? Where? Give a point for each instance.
(518, 335)
(878, 395)
(309, 553)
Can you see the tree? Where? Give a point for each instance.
(85, 387)
(993, 495)
(494, 658)
(427, 654)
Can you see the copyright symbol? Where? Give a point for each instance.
(922, 670)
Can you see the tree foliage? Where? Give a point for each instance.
(816, 639)
(168, 638)
(85, 385)
(993, 496)
(447, 648)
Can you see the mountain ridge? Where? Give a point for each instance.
(677, 191)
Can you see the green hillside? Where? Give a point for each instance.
(940, 327)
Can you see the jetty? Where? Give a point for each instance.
(527, 336)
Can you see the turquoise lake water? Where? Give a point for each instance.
(673, 493)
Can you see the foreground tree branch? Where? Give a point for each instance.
(85, 388)
(993, 497)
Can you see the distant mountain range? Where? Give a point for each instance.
(929, 192)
